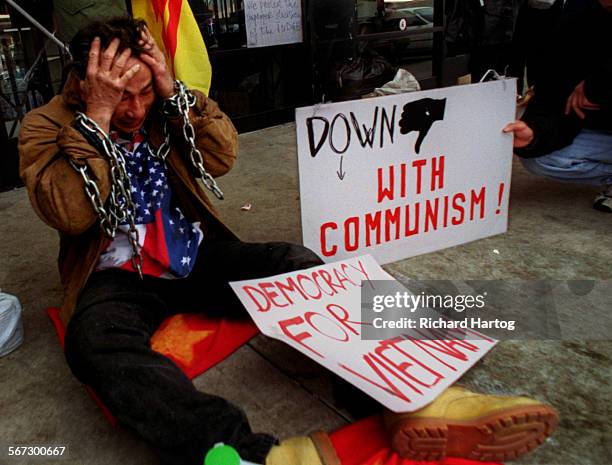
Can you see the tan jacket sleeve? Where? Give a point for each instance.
(215, 135)
(55, 188)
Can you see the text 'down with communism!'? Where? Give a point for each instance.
(407, 174)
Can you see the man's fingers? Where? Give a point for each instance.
(148, 42)
(509, 127)
(155, 64)
(577, 110)
(149, 60)
(581, 100)
(513, 127)
(108, 55)
(119, 63)
(571, 103)
(147, 35)
(129, 74)
(146, 39)
(591, 106)
(578, 101)
(574, 103)
(585, 104)
(522, 133)
(92, 62)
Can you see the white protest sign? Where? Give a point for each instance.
(318, 312)
(407, 174)
(273, 22)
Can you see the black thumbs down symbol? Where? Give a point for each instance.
(419, 116)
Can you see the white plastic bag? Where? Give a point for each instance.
(403, 82)
(11, 325)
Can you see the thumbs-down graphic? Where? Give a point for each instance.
(419, 116)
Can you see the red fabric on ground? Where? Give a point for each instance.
(207, 349)
(174, 339)
(196, 343)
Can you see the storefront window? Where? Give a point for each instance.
(386, 35)
(255, 85)
(221, 22)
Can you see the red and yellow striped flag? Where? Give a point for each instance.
(175, 29)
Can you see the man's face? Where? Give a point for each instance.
(607, 4)
(138, 97)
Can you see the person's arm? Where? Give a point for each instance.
(54, 186)
(47, 147)
(552, 129)
(215, 135)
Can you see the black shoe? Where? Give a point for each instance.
(603, 201)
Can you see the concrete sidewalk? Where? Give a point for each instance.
(553, 234)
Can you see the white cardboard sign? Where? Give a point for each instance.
(273, 22)
(402, 175)
(317, 311)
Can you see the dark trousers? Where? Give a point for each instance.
(107, 348)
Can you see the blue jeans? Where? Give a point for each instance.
(588, 160)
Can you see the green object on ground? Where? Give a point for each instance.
(222, 455)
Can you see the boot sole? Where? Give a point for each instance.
(499, 436)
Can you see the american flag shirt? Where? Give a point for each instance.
(169, 242)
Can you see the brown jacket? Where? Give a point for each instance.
(47, 140)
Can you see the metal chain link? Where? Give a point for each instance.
(182, 101)
(120, 206)
(92, 191)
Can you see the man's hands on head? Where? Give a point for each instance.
(107, 76)
(155, 59)
(577, 102)
(523, 134)
(105, 81)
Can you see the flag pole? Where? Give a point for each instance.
(40, 27)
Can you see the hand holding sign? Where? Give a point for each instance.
(523, 134)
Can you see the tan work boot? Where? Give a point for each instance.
(315, 449)
(461, 423)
